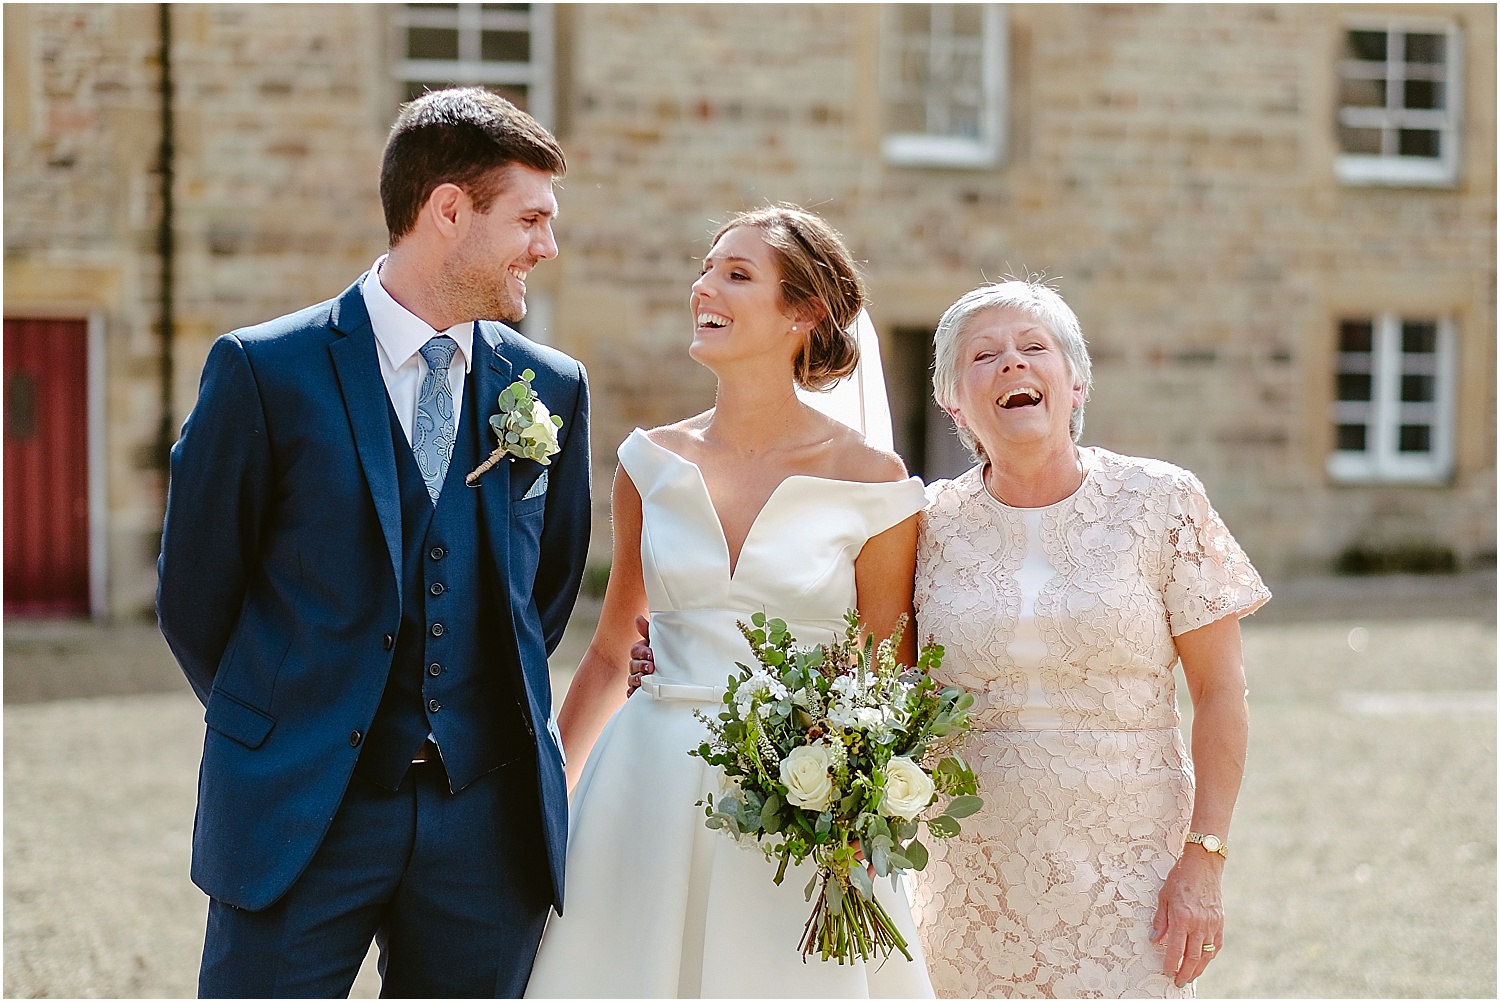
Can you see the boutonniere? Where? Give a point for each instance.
(523, 426)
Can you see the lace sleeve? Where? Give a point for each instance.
(1208, 576)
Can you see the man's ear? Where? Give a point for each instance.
(446, 209)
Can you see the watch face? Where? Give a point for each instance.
(1211, 843)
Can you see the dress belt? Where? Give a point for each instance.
(682, 691)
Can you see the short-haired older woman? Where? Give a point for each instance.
(1065, 583)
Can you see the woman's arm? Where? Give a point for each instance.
(1190, 910)
(598, 687)
(883, 576)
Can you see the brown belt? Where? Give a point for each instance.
(427, 753)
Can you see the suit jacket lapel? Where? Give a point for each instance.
(492, 373)
(365, 401)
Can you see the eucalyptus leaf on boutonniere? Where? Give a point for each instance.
(524, 427)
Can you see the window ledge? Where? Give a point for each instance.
(1355, 469)
(1416, 172)
(939, 151)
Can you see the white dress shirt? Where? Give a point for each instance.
(399, 337)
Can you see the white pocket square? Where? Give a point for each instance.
(538, 487)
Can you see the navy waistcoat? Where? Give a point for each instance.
(447, 678)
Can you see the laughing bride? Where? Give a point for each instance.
(760, 504)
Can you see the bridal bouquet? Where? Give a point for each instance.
(839, 753)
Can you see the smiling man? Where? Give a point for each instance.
(369, 636)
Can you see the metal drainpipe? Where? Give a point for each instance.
(166, 246)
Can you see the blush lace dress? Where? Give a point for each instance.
(657, 904)
(1061, 620)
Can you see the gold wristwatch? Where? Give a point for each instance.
(1210, 842)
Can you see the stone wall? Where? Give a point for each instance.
(1170, 166)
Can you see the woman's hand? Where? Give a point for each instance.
(1189, 921)
(642, 660)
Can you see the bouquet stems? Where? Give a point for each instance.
(844, 925)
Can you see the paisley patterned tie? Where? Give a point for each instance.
(433, 435)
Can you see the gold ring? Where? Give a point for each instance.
(1209, 948)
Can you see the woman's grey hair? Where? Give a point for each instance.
(1031, 298)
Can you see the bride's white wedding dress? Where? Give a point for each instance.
(659, 905)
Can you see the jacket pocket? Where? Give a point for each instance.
(237, 720)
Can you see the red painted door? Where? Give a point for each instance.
(46, 467)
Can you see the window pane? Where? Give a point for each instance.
(1359, 140)
(1424, 94)
(416, 88)
(1425, 48)
(432, 43)
(1418, 389)
(1357, 336)
(964, 121)
(1367, 45)
(1419, 337)
(1362, 93)
(1419, 143)
(506, 6)
(906, 117)
(914, 18)
(1354, 385)
(514, 93)
(505, 46)
(968, 19)
(1416, 438)
(1351, 438)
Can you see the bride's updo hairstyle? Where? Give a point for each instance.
(818, 278)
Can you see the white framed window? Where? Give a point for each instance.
(1394, 386)
(943, 72)
(507, 47)
(1398, 102)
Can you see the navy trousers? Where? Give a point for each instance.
(453, 887)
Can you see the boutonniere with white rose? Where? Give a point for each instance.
(524, 427)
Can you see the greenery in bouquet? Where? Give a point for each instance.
(839, 753)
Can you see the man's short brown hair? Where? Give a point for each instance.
(462, 136)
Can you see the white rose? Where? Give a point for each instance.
(541, 429)
(908, 790)
(804, 773)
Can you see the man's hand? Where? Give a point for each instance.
(642, 661)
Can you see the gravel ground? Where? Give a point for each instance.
(1364, 842)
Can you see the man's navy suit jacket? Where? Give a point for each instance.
(280, 567)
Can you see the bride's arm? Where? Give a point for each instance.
(883, 574)
(598, 687)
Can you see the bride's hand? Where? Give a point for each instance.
(642, 661)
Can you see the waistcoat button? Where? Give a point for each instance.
(437, 553)
(437, 588)
(355, 738)
(434, 669)
(438, 629)
(389, 641)
(433, 705)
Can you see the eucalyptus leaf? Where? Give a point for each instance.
(943, 826)
(962, 807)
(917, 853)
(859, 878)
(834, 892)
